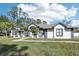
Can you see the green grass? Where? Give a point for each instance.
(5, 40)
(74, 39)
(8, 47)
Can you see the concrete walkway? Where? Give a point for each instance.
(44, 41)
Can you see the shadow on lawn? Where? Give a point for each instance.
(12, 50)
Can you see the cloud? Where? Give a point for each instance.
(49, 12)
(72, 12)
(64, 11)
(27, 8)
(43, 5)
(58, 8)
(74, 23)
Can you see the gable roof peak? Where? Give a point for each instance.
(60, 24)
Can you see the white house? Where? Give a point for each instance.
(76, 33)
(57, 31)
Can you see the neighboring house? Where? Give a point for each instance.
(76, 33)
(57, 31)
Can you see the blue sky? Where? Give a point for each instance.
(5, 7)
(49, 12)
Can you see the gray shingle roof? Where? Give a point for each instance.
(44, 26)
(50, 26)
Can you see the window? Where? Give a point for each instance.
(59, 32)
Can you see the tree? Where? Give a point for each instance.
(4, 18)
(22, 23)
(38, 21)
(44, 22)
(25, 15)
(24, 28)
(5, 24)
(34, 30)
(13, 14)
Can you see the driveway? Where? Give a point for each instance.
(20, 40)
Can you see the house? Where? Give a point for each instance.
(76, 33)
(57, 31)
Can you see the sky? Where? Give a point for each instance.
(50, 12)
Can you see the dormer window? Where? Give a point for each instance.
(59, 32)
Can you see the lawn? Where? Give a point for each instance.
(8, 47)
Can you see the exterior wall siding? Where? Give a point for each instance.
(66, 34)
(76, 34)
(49, 33)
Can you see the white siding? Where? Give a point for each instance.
(30, 34)
(76, 34)
(49, 33)
(11, 34)
(66, 34)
